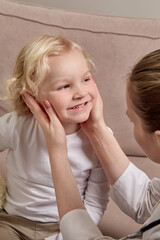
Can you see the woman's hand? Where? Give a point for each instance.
(96, 118)
(51, 126)
(67, 194)
(107, 149)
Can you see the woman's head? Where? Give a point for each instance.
(143, 103)
(144, 90)
(31, 67)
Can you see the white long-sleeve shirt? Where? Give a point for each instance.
(30, 190)
(134, 193)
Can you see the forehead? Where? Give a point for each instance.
(66, 55)
(67, 65)
(69, 61)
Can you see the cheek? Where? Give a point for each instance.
(40, 98)
(93, 92)
(42, 95)
(58, 107)
(58, 102)
(137, 136)
(140, 139)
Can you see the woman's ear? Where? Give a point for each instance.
(157, 133)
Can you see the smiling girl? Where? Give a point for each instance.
(58, 70)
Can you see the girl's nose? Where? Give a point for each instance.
(79, 93)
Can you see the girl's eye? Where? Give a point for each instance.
(64, 87)
(87, 79)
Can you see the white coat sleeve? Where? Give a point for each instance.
(77, 225)
(136, 194)
(96, 194)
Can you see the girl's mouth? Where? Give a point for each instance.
(80, 106)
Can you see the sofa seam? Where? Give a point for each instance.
(79, 29)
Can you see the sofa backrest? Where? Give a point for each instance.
(114, 43)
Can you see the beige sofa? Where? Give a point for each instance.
(115, 44)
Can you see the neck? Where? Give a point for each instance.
(70, 128)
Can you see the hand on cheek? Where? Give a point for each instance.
(52, 128)
(96, 116)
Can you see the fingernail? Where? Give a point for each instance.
(25, 95)
(46, 104)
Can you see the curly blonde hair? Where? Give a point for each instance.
(31, 67)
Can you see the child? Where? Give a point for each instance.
(58, 70)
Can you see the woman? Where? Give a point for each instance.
(143, 98)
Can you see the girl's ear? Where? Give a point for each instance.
(94, 79)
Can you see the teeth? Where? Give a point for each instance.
(79, 106)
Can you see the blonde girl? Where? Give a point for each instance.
(58, 70)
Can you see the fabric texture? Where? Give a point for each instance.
(17, 228)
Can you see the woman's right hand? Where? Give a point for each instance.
(51, 126)
(67, 194)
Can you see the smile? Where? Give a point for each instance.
(80, 106)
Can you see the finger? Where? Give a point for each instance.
(35, 108)
(50, 112)
(47, 104)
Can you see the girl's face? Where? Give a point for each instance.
(149, 142)
(69, 87)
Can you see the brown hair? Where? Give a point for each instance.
(31, 67)
(144, 90)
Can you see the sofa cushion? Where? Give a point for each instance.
(114, 43)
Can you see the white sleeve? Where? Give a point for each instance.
(135, 193)
(6, 131)
(77, 225)
(96, 194)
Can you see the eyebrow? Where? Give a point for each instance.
(88, 71)
(66, 78)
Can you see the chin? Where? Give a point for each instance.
(83, 120)
(78, 119)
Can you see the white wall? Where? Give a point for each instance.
(129, 8)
